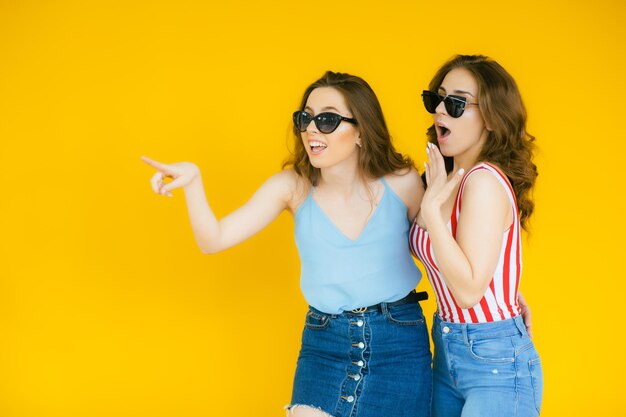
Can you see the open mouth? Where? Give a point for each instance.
(317, 147)
(443, 131)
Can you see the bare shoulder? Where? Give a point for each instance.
(484, 184)
(283, 182)
(292, 186)
(406, 182)
(486, 196)
(286, 177)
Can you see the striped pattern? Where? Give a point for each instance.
(500, 299)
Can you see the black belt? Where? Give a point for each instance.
(412, 297)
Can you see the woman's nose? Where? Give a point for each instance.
(441, 108)
(312, 128)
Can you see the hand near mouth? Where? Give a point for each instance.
(439, 186)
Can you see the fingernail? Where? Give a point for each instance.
(461, 171)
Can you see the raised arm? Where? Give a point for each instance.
(468, 262)
(213, 235)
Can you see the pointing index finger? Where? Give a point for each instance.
(154, 164)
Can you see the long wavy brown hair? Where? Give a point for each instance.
(377, 155)
(509, 145)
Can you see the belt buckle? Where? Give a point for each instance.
(359, 310)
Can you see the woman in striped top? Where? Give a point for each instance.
(467, 234)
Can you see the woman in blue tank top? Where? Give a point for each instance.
(365, 348)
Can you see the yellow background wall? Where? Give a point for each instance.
(106, 306)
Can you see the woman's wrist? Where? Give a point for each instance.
(196, 179)
(430, 214)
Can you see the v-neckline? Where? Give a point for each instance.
(337, 229)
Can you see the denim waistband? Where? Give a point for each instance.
(470, 331)
(412, 297)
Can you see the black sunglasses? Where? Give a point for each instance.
(325, 122)
(455, 105)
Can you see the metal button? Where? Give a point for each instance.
(349, 399)
(360, 363)
(446, 329)
(361, 345)
(356, 377)
(359, 323)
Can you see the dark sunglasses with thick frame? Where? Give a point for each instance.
(325, 122)
(455, 105)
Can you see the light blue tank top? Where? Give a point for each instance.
(339, 274)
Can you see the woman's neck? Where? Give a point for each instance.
(343, 180)
(471, 156)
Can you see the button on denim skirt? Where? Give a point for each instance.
(371, 364)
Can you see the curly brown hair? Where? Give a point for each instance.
(508, 145)
(377, 155)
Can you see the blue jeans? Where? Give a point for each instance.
(372, 364)
(486, 369)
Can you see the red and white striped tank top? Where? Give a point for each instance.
(500, 299)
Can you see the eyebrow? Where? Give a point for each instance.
(327, 108)
(458, 92)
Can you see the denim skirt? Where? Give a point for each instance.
(371, 364)
(485, 369)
